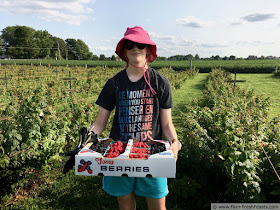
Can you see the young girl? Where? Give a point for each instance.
(142, 100)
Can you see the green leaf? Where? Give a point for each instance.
(275, 192)
(232, 169)
(221, 157)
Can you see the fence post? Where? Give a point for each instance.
(276, 69)
(6, 79)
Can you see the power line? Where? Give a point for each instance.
(32, 48)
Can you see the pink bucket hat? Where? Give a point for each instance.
(139, 35)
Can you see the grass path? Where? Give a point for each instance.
(265, 85)
(190, 90)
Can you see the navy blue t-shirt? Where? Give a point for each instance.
(137, 113)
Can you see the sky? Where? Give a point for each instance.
(178, 27)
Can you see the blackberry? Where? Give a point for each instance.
(157, 148)
(99, 147)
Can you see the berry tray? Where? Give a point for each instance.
(133, 159)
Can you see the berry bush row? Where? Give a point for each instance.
(222, 159)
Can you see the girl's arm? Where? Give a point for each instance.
(169, 131)
(101, 121)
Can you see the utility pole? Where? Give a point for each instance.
(58, 50)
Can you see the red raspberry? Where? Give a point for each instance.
(140, 155)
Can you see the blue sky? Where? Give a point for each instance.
(203, 27)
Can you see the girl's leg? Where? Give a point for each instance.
(156, 204)
(127, 202)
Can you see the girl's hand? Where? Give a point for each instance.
(176, 147)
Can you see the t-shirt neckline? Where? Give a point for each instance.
(138, 81)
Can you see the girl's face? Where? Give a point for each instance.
(136, 53)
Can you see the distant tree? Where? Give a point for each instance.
(189, 57)
(78, 50)
(8, 35)
(232, 57)
(225, 58)
(217, 57)
(44, 41)
(95, 57)
(85, 54)
(262, 57)
(172, 58)
(0, 46)
(180, 57)
(113, 58)
(196, 57)
(72, 49)
(63, 49)
(19, 42)
(159, 58)
(102, 57)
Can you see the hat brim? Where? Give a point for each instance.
(138, 39)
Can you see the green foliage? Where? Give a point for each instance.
(276, 73)
(22, 42)
(22, 36)
(43, 113)
(1, 46)
(222, 152)
(78, 50)
(44, 41)
(204, 66)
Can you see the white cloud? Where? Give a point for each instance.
(192, 22)
(256, 17)
(213, 45)
(158, 36)
(72, 12)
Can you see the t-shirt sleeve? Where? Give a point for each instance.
(165, 94)
(106, 98)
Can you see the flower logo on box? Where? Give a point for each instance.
(85, 165)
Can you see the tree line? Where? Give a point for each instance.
(22, 42)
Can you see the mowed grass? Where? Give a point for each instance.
(265, 85)
(191, 89)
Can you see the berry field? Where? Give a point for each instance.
(226, 134)
(204, 66)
